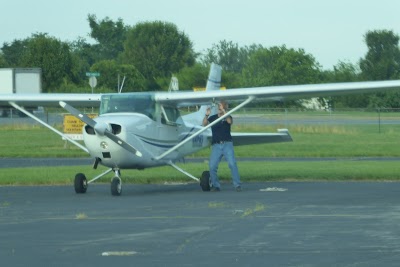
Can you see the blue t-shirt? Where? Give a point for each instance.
(220, 131)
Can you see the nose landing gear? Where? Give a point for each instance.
(81, 183)
(116, 184)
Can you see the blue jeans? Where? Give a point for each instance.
(226, 150)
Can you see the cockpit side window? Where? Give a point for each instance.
(169, 115)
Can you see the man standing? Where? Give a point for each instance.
(221, 146)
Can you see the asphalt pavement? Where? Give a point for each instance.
(40, 162)
(267, 224)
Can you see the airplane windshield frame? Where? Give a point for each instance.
(170, 115)
(128, 103)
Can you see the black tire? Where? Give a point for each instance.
(205, 181)
(116, 187)
(80, 183)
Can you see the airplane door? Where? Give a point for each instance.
(169, 125)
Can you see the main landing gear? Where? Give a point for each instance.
(205, 182)
(81, 183)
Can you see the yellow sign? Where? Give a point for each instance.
(73, 125)
(197, 89)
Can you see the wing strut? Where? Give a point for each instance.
(248, 100)
(48, 126)
(182, 171)
(100, 175)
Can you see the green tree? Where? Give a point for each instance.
(3, 62)
(231, 58)
(346, 72)
(85, 52)
(280, 66)
(84, 56)
(382, 62)
(188, 77)
(53, 56)
(13, 52)
(110, 36)
(109, 72)
(157, 49)
(228, 55)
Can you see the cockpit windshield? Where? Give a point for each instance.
(137, 103)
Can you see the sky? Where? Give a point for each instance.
(329, 30)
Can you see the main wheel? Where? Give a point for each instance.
(116, 186)
(205, 181)
(80, 183)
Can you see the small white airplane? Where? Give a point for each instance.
(143, 130)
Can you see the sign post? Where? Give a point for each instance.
(92, 79)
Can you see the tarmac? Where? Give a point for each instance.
(267, 224)
(40, 162)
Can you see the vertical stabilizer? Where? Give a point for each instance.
(214, 77)
(213, 83)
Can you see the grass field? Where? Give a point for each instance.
(341, 170)
(338, 141)
(309, 141)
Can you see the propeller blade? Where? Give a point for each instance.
(83, 117)
(122, 143)
(89, 121)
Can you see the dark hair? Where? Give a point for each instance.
(224, 104)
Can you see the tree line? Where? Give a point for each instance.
(147, 54)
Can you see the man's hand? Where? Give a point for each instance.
(205, 119)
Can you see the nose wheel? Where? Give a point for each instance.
(116, 184)
(81, 183)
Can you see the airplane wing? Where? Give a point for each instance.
(273, 93)
(78, 100)
(241, 139)
(189, 98)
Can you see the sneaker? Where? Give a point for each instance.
(215, 189)
(239, 189)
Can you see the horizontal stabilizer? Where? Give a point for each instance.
(241, 139)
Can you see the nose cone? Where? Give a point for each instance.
(111, 137)
(101, 127)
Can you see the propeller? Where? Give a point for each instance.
(100, 128)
